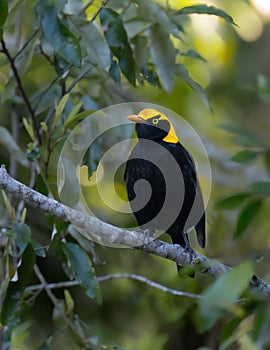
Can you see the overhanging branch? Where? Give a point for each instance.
(115, 234)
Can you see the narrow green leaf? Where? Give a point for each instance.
(114, 71)
(183, 73)
(84, 273)
(267, 160)
(60, 107)
(222, 294)
(232, 202)
(117, 40)
(246, 216)
(244, 156)
(22, 235)
(3, 15)
(76, 117)
(10, 209)
(73, 114)
(260, 188)
(29, 128)
(57, 32)
(205, 9)
(69, 302)
(193, 54)
(159, 43)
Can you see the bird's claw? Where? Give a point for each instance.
(190, 252)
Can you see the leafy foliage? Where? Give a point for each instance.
(61, 60)
(221, 296)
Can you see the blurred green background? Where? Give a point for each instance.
(231, 63)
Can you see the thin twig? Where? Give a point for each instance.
(21, 89)
(132, 276)
(44, 285)
(98, 11)
(25, 45)
(79, 77)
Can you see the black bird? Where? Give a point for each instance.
(169, 197)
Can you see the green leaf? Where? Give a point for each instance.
(41, 185)
(10, 144)
(98, 50)
(264, 88)
(117, 40)
(86, 244)
(9, 207)
(159, 43)
(59, 108)
(261, 188)
(154, 13)
(207, 10)
(232, 202)
(261, 324)
(141, 51)
(11, 306)
(114, 71)
(246, 216)
(222, 294)
(267, 160)
(151, 76)
(78, 116)
(73, 114)
(183, 73)
(244, 156)
(22, 235)
(25, 58)
(3, 15)
(38, 248)
(57, 33)
(69, 302)
(82, 270)
(29, 128)
(193, 54)
(242, 136)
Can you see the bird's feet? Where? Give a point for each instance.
(188, 249)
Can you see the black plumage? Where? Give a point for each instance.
(168, 170)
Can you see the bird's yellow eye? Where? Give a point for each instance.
(155, 121)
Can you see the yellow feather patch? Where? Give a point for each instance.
(150, 113)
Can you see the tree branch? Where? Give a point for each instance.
(21, 89)
(132, 276)
(118, 235)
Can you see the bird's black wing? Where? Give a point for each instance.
(198, 205)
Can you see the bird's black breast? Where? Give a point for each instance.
(156, 163)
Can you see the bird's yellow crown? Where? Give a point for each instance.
(148, 113)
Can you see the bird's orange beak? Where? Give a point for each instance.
(136, 119)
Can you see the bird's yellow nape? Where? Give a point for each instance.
(150, 113)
